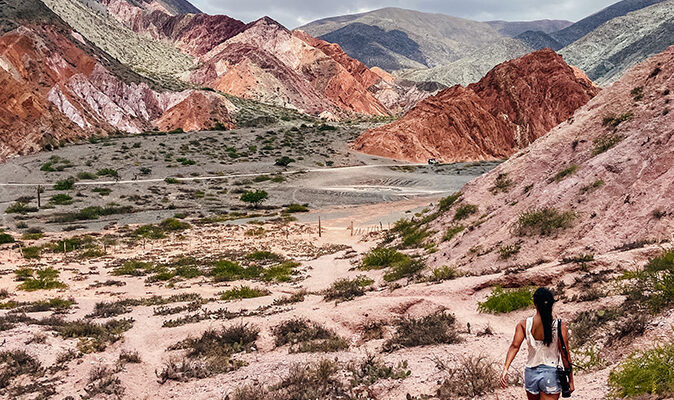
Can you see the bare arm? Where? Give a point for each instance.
(514, 348)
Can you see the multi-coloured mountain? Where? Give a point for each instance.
(59, 86)
(597, 183)
(76, 68)
(512, 106)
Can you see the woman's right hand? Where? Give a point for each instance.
(504, 378)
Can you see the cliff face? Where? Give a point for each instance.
(513, 105)
(609, 166)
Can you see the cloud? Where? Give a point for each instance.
(294, 13)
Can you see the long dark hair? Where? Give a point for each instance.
(544, 299)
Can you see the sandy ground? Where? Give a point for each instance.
(323, 260)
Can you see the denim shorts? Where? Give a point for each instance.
(542, 379)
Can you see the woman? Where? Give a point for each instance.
(540, 331)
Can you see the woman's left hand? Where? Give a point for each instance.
(504, 379)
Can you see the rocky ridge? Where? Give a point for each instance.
(607, 171)
(513, 105)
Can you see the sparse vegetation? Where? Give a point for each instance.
(94, 337)
(543, 221)
(592, 186)
(502, 183)
(606, 142)
(506, 252)
(652, 287)
(447, 202)
(473, 377)
(6, 238)
(284, 161)
(41, 279)
(645, 372)
(307, 337)
(565, 173)
(347, 289)
(444, 273)
(464, 211)
(504, 301)
(254, 197)
(436, 328)
(61, 199)
(244, 292)
(613, 120)
(65, 184)
(112, 173)
(382, 257)
(452, 231)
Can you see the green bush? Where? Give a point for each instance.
(20, 208)
(108, 172)
(61, 199)
(404, 269)
(447, 202)
(172, 181)
(84, 176)
(543, 221)
(65, 184)
(502, 183)
(31, 252)
(412, 235)
(612, 120)
(606, 142)
(452, 231)
(263, 255)
(307, 337)
(444, 273)
(505, 252)
(592, 186)
(244, 292)
(464, 211)
(254, 197)
(41, 279)
(284, 161)
(382, 257)
(6, 238)
(134, 268)
(280, 273)
(347, 289)
(566, 172)
(325, 127)
(505, 301)
(653, 287)
(645, 372)
(296, 208)
(173, 225)
(226, 270)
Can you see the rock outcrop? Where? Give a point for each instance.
(607, 171)
(513, 105)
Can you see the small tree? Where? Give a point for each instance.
(255, 198)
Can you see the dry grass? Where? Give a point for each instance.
(436, 328)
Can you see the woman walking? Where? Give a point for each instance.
(541, 380)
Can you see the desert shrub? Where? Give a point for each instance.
(652, 287)
(102, 191)
(373, 368)
(543, 221)
(94, 337)
(262, 255)
(632, 324)
(586, 324)
(613, 120)
(637, 93)
(464, 211)
(284, 161)
(84, 176)
(502, 183)
(61, 199)
(6, 238)
(294, 298)
(173, 225)
(447, 202)
(606, 142)
(14, 363)
(505, 252)
(56, 163)
(149, 232)
(129, 357)
(184, 369)
(504, 301)
(382, 257)
(412, 234)
(436, 328)
(592, 186)
(317, 380)
(56, 304)
(214, 344)
(452, 231)
(645, 372)
(20, 208)
(444, 273)
(565, 173)
(578, 258)
(404, 269)
(186, 161)
(307, 337)
(282, 272)
(102, 381)
(296, 208)
(244, 292)
(171, 181)
(108, 172)
(41, 279)
(65, 184)
(347, 289)
(474, 377)
(226, 270)
(112, 309)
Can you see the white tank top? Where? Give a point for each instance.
(539, 353)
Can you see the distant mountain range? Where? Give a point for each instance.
(369, 37)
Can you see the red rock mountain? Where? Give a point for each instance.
(609, 171)
(513, 105)
(57, 87)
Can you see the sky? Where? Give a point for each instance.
(294, 13)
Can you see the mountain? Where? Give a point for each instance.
(581, 28)
(395, 39)
(539, 40)
(621, 43)
(261, 61)
(515, 28)
(512, 106)
(471, 68)
(606, 174)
